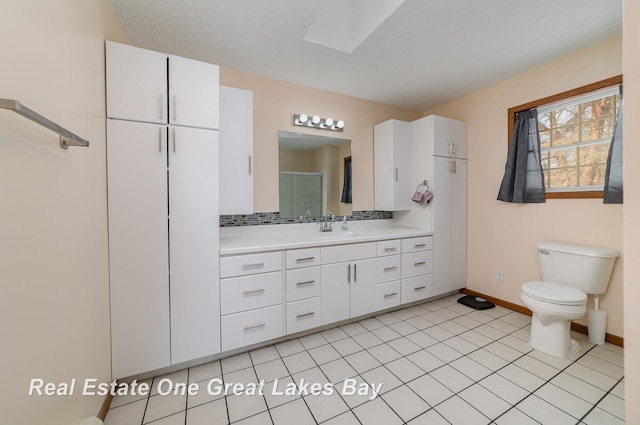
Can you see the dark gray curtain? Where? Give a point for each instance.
(346, 185)
(613, 174)
(523, 180)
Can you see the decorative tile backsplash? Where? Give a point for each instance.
(260, 219)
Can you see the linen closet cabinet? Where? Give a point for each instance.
(446, 142)
(162, 164)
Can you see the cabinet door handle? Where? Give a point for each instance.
(355, 272)
(420, 263)
(388, 269)
(300, 316)
(306, 282)
(420, 245)
(300, 260)
(259, 325)
(251, 266)
(249, 164)
(160, 139)
(418, 288)
(390, 295)
(395, 174)
(173, 136)
(254, 291)
(349, 273)
(454, 166)
(390, 249)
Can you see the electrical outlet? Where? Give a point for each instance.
(499, 274)
(365, 205)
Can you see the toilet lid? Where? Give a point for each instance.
(554, 293)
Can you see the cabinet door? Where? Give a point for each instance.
(392, 157)
(442, 143)
(236, 151)
(459, 138)
(138, 247)
(334, 292)
(459, 225)
(193, 93)
(363, 287)
(136, 83)
(442, 226)
(194, 236)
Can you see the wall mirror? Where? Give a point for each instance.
(315, 175)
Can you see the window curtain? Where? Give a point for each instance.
(346, 185)
(613, 173)
(523, 180)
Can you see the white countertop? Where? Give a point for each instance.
(275, 237)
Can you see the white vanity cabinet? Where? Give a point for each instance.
(149, 86)
(417, 268)
(388, 266)
(349, 276)
(392, 165)
(303, 281)
(162, 197)
(443, 141)
(236, 151)
(251, 288)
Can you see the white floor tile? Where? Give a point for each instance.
(403, 328)
(538, 368)
(324, 354)
(214, 412)
(205, 371)
(278, 392)
(388, 318)
(602, 366)
(354, 328)
(265, 354)
(175, 419)
(470, 368)
(290, 347)
(367, 340)
(405, 403)
(451, 378)
(313, 341)
(573, 405)
(505, 389)
(425, 360)
(501, 350)
(352, 397)
(371, 323)
(324, 407)
(459, 412)
(521, 377)
(404, 369)
(384, 353)
(271, 370)
(376, 412)
(381, 375)
(488, 359)
(453, 327)
(295, 412)
(362, 361)
(600, 417)
(485, 401)
(430, 390)
(237, 362)
(444, 352)
(243, 406)
(347, 418)
(120, 400)
(386, 334)
(461, 345)
(404, 346)
(128, 414)
(591, 376)
(242, 376)
(544, 412)
(403, 314)
(298, 362)
(432, 417)
(338, 370)
(160, 406)
(419, 322)
(438, 333)
(515, 416)
(180, 376)
(584, 390)
(614, 405)
(260, 419)
(346, 346)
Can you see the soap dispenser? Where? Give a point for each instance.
(345, 224)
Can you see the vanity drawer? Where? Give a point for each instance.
(250, 327)
(349, 252)
(388, 268)
(242, 265)
(387, 295)
(303, 315)
(391, 247)
(303, 258)
(417, 263)
(417, 244)
(250, 292)
(303, 283)
(416, 288)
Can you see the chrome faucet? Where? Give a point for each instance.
(326, 225)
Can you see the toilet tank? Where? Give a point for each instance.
(584, 267)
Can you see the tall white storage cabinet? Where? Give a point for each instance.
(163, 220)
(392, 165)
(236, 151)
(445, 140)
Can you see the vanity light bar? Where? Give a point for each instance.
(315, 121)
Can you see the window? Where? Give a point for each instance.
(575, 132)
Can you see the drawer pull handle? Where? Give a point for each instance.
(419, 288)
(349, 273)
(420, 263)
(259, 325)
(390, 295)
(251, 266)
(306, 282)
(388, 269)
(393, 248)
(420, 245)
(255, 291)
(300, 260)
(309, 314)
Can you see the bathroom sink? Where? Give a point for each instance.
(335, 235)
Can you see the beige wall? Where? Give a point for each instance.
(504, 236)
(275, 102)
(54, 306)
(631, 210)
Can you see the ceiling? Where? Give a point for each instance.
(424, 54)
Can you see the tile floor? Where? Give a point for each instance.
(439, 363)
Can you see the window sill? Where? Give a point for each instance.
(575, 195)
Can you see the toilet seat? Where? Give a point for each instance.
(554, 293)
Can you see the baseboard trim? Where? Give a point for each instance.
(102, 414)
(611, 339)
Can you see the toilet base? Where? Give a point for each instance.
(553, 338)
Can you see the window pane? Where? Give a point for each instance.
(594, 154)
(544, 159)
(598, 108)
(544, 122)
(563, 177)
(566, 115)
(545, 139)
(598, 129)
(565, 135)
(592, 175)
(564, 158)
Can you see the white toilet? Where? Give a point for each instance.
(569, 273)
